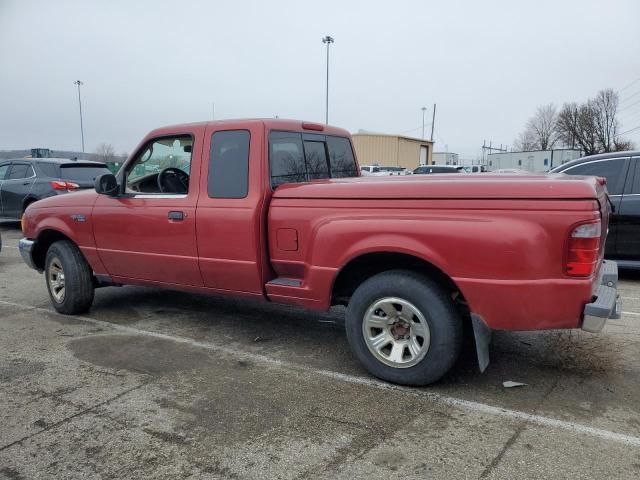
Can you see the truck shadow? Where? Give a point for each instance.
(317, 339)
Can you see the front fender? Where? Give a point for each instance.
(77, 226)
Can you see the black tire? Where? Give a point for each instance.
(77, 280)
(438, 309)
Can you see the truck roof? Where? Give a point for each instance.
(269, 123)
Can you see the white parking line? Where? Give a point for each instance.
(630, 313)
(370, 382)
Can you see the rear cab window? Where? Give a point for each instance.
(299, 157)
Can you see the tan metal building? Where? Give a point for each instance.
(392, 150)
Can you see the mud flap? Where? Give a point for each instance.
(482, 336)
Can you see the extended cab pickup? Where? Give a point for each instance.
(275, 210)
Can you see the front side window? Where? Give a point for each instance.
(3, 170)
(20, 170)
(229, 164)
(296, 157)
(162, 166)
(614, 170)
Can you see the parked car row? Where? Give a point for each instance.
(24, 181)
(378, 171)
(622, 171)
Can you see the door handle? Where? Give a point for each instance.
(176, 216)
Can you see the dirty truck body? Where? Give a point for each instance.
(275, 210)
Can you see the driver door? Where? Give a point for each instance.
(148, 232)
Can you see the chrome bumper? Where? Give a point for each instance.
(26, 249)
(607, 301)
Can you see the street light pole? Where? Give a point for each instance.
(78, 83)
(424, 109)
(328, 40)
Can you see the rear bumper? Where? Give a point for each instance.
(26, 247)
(606, 304)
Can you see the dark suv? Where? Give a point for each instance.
(622, 171)
(25, 181)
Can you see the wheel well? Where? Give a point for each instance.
(28, 201)
(370, 264)
(44, 241)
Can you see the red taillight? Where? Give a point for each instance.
(583, 249)
(61, 185)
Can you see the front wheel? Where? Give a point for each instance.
(403, 328)
(69, 278)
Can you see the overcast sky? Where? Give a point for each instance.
(145, 64)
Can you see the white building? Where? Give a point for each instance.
(445, 158)
(535, 161)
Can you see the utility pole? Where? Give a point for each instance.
(424, 109)
(78, 83)
(328, 41)
(490, 149)
(433, 121)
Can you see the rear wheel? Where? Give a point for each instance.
(69, 278)
(403, 328)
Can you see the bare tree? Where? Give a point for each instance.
(540, 132)
(526, 141)
(606, 107)
(620, 144)
(106, 152)
(592, 125)
(577, 127)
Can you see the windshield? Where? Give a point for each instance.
(82, 173)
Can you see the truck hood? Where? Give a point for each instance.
(483, 185)
(81, 198)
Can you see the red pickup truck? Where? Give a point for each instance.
(276, 210)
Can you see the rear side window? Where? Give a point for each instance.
(295, 157)
(49, 169)
(229, 164)
(636, 177)
(82, 173)
(20, 170)
(3, 170)
(614, 170)
(341, 159)
(286, 158)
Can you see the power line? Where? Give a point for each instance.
(414, 129)
(626, 99)
(629, 84)
(628, 131)
(629, 106)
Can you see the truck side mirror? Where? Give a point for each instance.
(106, 184)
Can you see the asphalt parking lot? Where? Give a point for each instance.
(157, 384)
